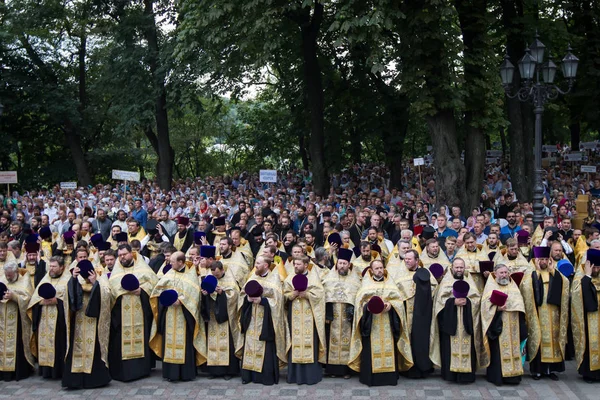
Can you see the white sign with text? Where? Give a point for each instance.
(8, 177)
(126, 175)
(268, 175)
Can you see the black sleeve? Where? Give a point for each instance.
(190, 322)
(267, 333)
(555, 289)
(245, 315)
(205, 307)
(162, 315)
(36, 314)
(523, 334)
(468, 317)
(538, 289)
(395, 323)
(94, 305)
(189, 239)
(495, 328)
(40, 272)
(329, 312)
(366, 322)
(349, 313)
(221, 314)
(589, 293)
(75, 294)
(448, 318)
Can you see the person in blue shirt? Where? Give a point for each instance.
(139, 214)
(511, 228)
(442, 229)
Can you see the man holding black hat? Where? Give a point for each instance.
(265, 335)
(417, 285)
(380, 347)
(546, 295)
(586, 317)
(178, 334)
(88, 323)
(131, 283)
(16, 360)
(49, 326)
(341, 285)
(504, 327)
(455, 344)
(219, 308)
(306, 317)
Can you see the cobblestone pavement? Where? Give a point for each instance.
(570, 386)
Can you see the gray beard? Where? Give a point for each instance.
(503, 281)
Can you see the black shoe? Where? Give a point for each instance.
(553, 376)
(536, 377)
(227, 377)
(211, 377)
(589, 380)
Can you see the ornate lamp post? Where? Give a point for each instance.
(538, 90)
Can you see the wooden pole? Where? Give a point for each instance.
(420, 180)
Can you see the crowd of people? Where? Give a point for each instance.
(229, 277)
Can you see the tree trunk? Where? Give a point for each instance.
(449, 171)
(166, 155)
(503, 143)
(302, 146)
(74, 142)
(473, 17)
(520, 130)
(314, 89)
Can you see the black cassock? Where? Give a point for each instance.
(40, 272)
(22, 368)
(494, 371)
(219, 307)
(366, 375)
(270, 368)
(60, 339)
(536, 366)
(129, 370)
(448, 323)
(305, 374)
(590, 304)
(419, 337)
(187, 370)
(99, 375)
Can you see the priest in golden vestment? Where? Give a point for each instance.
(380, 347)
(432, 254)
(49, 325)
(5, 256)
(512, 257)
(363, 260)
(417, 286)
(34, 266)
(341, 286)
(305, 298)
(242, 246)
(265, 335)
(220, 231)
(546, 295)
(183, 239)
(219, 308)
(178, 333)
(88, 324)
(131, 284)
(472, 255)
(16, 360)
(504, 327)
(585, 318)
(233, 262)
(455, 341)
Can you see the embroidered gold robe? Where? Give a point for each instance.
(12, 312)
(586, 325)
(472, 259)
(441, 259)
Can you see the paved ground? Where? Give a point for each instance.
(569, 387)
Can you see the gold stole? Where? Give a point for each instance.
(302, 332)
(84, 344)
(178, 242)
(175, 336)
(460, 346)
(549, 316)
(9, 315)
(510, 345)
(382, 354)
(217, 341)
(132, 327)
(339, 336)
(254, 348)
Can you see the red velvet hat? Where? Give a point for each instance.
(300, 282)
(183, 221)
(375, 305)
(517, 277)
(498, 298)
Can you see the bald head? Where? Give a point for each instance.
(178, 260)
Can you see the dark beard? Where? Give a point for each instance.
(557, 259)
(457, 276)
(366, 258)
(129, 264)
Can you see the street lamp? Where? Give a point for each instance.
(538, 90)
